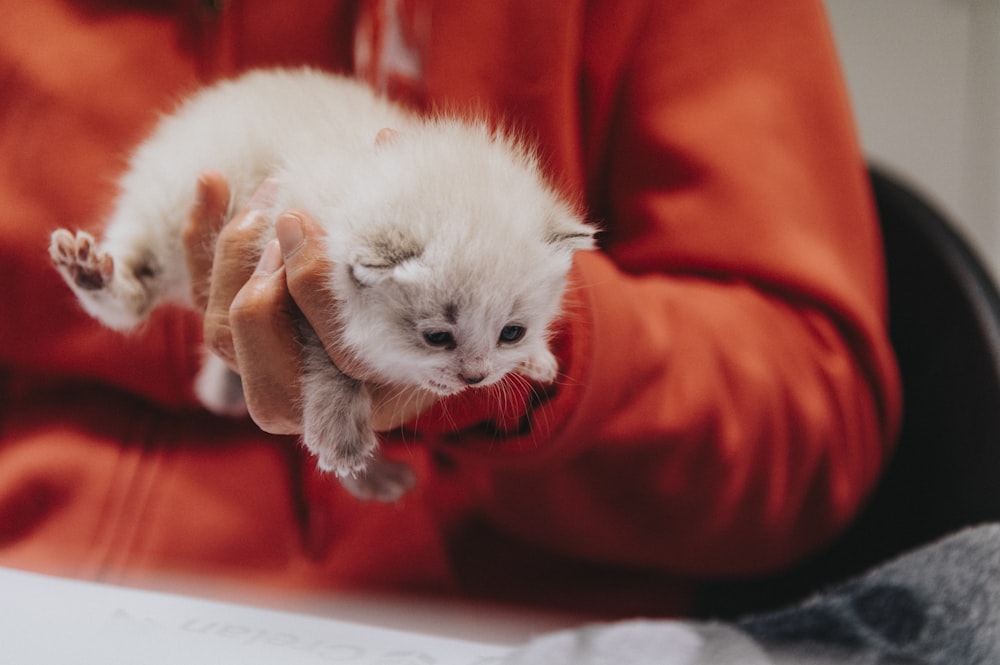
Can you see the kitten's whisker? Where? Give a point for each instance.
(447, 415)
(539, 413)
(503, 402)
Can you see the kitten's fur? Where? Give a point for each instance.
(445, 239)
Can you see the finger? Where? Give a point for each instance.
(200, 232)
(308, 268)
(266, 346)
(236, 253)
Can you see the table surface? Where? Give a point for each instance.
(47, 620)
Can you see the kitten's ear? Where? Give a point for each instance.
(367, 275)
(405, 272)
(384, 255)
(567, 232)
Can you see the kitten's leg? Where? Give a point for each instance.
(220, 388)
(336, 412)
(107, 290)
(337, 415)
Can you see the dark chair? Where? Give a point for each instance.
(945, 474)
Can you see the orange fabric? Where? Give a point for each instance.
(728, 393)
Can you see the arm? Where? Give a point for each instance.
(729, 393)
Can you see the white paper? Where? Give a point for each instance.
(53, 621)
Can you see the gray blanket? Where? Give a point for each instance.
(939, 605)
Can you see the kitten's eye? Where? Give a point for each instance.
(439, 338)
(511, 334)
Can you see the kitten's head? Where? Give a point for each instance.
(459, 262)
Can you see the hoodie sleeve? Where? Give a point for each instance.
(728, 393)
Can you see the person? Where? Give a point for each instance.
(728, 393)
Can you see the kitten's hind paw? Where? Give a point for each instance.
(220, 389)
(79, 260)
(346, 461)
(383, 480)
(341, 438)
(104, 285)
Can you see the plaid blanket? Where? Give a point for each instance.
(939, 605)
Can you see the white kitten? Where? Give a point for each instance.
(451, 253)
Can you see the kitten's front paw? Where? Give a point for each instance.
(79, 260)
(383, 480)
(542, 367)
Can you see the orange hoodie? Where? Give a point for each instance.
(728, 394)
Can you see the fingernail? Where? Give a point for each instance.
(289, 231)
(260, 201)
(263, 196)
(270, 260)
(201, 192)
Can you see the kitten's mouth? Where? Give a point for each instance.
(444, 389)
(453, 388)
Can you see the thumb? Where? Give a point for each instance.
(308, 274)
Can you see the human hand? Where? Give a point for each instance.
(252, 314)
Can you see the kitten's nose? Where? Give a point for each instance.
(473, 380)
